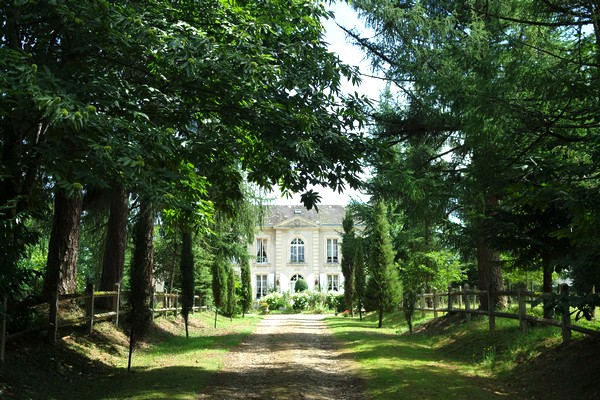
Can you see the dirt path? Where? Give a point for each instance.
(288, 357)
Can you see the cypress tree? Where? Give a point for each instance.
(384, 278)
(360, 279)
(246, 299)
(348, 260)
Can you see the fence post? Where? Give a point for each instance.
(166, 302)
(423, 303)
(491, 299)
(449, 300)
(117, 303)
(595, 313)
(435, 300)
(152, 305)
(521, 288)
(89, 296)
(193, 303)
(467, 303)
(460, 299)
(176, 302)
(475, 298)
(566, 315)
(3, 329)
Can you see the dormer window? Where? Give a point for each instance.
(297, 211)
(297, 251)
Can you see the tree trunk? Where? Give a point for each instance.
(61, 268)
(490, 274)
(187, 275)
(141, 276)
(113, 260)
(547, 282)
(380, 317)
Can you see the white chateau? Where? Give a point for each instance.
(296, 243)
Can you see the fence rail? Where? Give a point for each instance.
(161, 304)
(464, 300)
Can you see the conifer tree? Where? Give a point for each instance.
(360, 279)
(246, 280)
(384, 279)
(348, 260)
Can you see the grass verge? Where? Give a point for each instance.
(450, 358)
(166, 366)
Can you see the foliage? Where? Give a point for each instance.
(300, 285)
(230, 308)
(487, 145)
(245, 295)
(187, 101)
(276, 300)
(383, 276)
(349, 259)
(300, 300)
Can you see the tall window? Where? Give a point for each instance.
(297, 251)
(333, 282)
(332, 251)
(261, 286)
(261, 250)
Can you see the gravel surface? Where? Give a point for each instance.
(287, 357)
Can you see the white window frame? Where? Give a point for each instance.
(333, 250)
(297, 251)
(261, 285)
(262, 251)
(333, 282)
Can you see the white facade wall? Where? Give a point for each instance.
(280, 269)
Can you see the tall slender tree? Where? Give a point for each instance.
(383, 275)
(360, 278)
(246, 284)
(349, 260)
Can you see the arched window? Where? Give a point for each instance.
(297, 251)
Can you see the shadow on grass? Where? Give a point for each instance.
(404, 367)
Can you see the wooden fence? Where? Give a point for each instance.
(464, 300)
(161, 304)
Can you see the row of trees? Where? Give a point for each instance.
(118, 115)
(489, 131)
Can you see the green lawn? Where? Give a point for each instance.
(168, 366)
(454, 364)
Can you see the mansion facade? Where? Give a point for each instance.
(296, 243)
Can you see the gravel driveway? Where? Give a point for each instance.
(288, 357)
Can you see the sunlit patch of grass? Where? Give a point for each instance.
(170, 365)
(451, 357)
(402, 367)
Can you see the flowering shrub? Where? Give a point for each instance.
(275, 300)
(300, 301)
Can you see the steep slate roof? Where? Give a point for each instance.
(327, 215)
